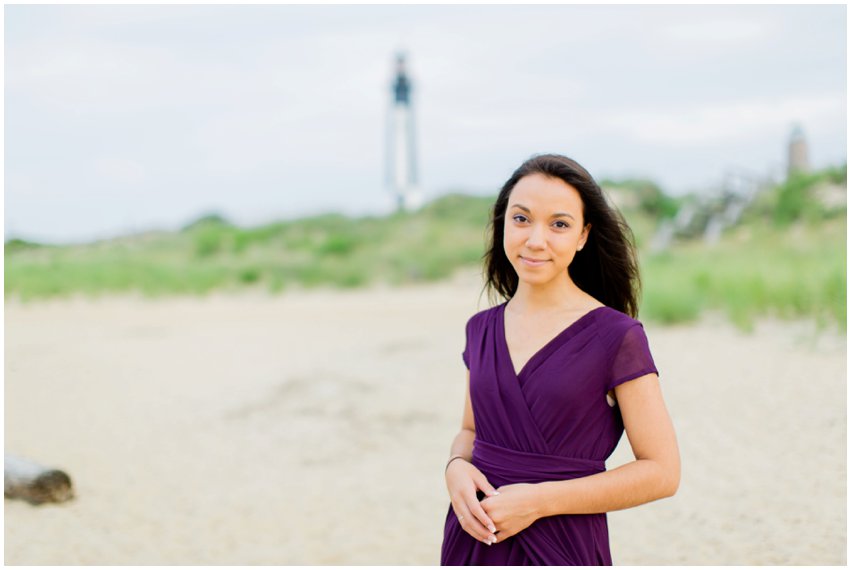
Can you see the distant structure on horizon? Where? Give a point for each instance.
(401, 148)
(798, 152)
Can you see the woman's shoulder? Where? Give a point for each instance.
(614, 321)
(616, 329)
(483, 317)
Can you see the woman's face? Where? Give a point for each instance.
(544, 227)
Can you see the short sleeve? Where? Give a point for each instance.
(466, 354)
(632, 359)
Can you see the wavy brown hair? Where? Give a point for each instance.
(605, 268)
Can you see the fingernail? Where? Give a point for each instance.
(496, 492)
(492, 539)
(492, 528)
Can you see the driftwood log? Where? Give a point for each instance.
(34, 483)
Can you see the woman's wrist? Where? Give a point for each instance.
(453, 458)
(545, 501)
(557, 497)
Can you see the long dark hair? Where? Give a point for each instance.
(605, 268)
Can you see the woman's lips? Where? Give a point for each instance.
(533, 262)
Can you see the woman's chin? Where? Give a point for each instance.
(533, 278)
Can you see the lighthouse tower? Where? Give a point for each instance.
(402, 162)
(798, 152)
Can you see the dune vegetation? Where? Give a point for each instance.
(785, 257)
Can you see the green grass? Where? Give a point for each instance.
(211, 254)
(787, 259)
(758, 270)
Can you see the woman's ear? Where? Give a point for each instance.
(583, 239)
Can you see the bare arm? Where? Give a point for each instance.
(463, 480)
(654, 474)
(463, 443)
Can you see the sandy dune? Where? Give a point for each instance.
(312, 428)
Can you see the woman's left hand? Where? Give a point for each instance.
(513, 509)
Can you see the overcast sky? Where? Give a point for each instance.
(126, 118)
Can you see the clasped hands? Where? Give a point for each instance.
(503, 512)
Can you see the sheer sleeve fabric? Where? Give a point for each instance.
(632, 358)
(465, 356)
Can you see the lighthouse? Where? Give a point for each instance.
(798, 153)
(402, 160)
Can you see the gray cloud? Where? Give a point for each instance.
(125, 117)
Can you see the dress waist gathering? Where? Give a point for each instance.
(505, 466)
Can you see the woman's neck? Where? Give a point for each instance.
(561, 294)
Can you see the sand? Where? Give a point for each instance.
(312, 428)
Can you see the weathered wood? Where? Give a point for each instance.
(34, 483)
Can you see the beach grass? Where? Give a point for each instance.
(757, 270)
(209, 255)
(789, 264)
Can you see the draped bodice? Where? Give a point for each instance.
(557, 404)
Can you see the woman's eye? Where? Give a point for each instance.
(519, 218)
(560, 224)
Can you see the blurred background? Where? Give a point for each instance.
(241, 244)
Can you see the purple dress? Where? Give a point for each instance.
(549, 423)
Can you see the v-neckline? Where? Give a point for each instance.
(545, 348)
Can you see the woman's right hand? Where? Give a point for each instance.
(463, 480)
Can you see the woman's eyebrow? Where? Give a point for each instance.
(563, 215)
(556, 215)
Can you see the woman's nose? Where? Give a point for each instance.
(536, 237)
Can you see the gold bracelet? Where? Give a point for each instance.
(451, 459)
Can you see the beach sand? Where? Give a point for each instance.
(313, 427)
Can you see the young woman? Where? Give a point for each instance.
(555, 375)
